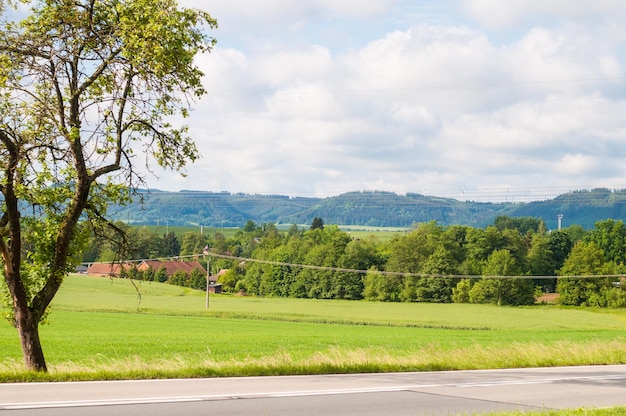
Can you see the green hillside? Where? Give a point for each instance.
(583, 208)
(374, 209)
(210, 209)
(386, 209)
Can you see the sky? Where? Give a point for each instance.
(483, 100)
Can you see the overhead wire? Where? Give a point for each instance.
(358, 271)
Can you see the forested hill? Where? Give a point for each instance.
(386, 209)
(379, 209)
(578, 207)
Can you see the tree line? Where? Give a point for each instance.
(428, 263)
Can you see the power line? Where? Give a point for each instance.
(348, 270)
(405, 274)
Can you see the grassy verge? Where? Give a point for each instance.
(614, 411)
(102, 329)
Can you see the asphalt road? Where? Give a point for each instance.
(428, 393)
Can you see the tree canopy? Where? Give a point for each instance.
(87, 88)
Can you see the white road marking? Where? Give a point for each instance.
(541, 381)
(295, 393)
(180, 399)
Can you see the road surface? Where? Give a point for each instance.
(424, 393)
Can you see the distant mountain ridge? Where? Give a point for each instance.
(362, 208)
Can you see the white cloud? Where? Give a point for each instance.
(497, 14)
(422, 108)
(250, 23)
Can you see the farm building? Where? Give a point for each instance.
(107, 269)
(170, 267)
(215, 288)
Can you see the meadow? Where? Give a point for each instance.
(380, 233)
(101, 328)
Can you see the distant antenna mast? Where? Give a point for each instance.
(559, 218)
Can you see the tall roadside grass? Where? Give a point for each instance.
(335, 360)
(614, 411)
(100, 329)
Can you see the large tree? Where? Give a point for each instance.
(502, 291)
(586, 259)
(88, 88)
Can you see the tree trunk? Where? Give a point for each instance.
(28, 330)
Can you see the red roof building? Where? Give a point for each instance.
(107, 269)
(171, 267)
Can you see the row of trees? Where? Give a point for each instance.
(431, 263)
(196, 279)
(423, 265)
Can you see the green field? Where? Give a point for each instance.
(105, 328)
(381, 233)
(180, 230)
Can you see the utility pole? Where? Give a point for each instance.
(208, 274)
(208, 281)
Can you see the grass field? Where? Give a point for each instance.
(100, 328)
(381, 233)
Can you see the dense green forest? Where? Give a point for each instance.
(377, 209)
(429, 263)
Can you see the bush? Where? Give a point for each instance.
(197, 279)
(179, 278)
(229, 280)
(461, 293)
(582, 291)
(513, 292)
(161, 275)
(615, 297)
